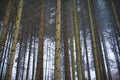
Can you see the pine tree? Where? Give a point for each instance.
(94, 47)
(57, 41)
(30, 50)
(72, 41)
(5, 24)
(116, 16)
(14, 41)
(65, 38)
(77, 42)
(39, 70)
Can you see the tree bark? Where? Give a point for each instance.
(65, 38)
(77, 42)
(57, 41)
(14, 42)
(39, 70)
(5, 24)
(72, 42)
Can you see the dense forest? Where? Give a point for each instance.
(59, 39)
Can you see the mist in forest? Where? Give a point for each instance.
(59, 39)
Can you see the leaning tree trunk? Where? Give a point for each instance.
(94, 47)
(14, 42)
(99, 46)
(57, 42)
(116, 16)
(77, 42)
(5, 24)
(39, 70)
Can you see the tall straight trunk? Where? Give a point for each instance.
(29, 56)
(94, 47)
(112, 41)
(85, 45)
(101, 56)
(47, 78)
(72, 42)
(18, 61)
(39, 70)
(5, 24)
(8, 51)
(65, 38)
(102, 39)
(34, 52)
(2, 56)
(77, 42)
(5, 52)
(99, 46)
(117, 34)
(46, 70)
(57, 41)
(106, 57)
(50, 69)
(14, 42)
(24, 56)
(20, 55)
(116, 16)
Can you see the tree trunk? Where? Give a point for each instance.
(85, 45)
(39, 70)
(34, 53)
(18, 61)
(65, 38)
(24, 56)
(57, 41)
(72, 42)
(116, 16)
(99, 46)
(5, 24)
(77, 42)
(94, 47)
(5, 51)
(14, 42)
(29, 56)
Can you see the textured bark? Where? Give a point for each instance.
(39, 70)
(65, 38)
(72, 54)
(5, 24)
(93, 41)
(14, 42)
(77, 42)
(57, 41)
